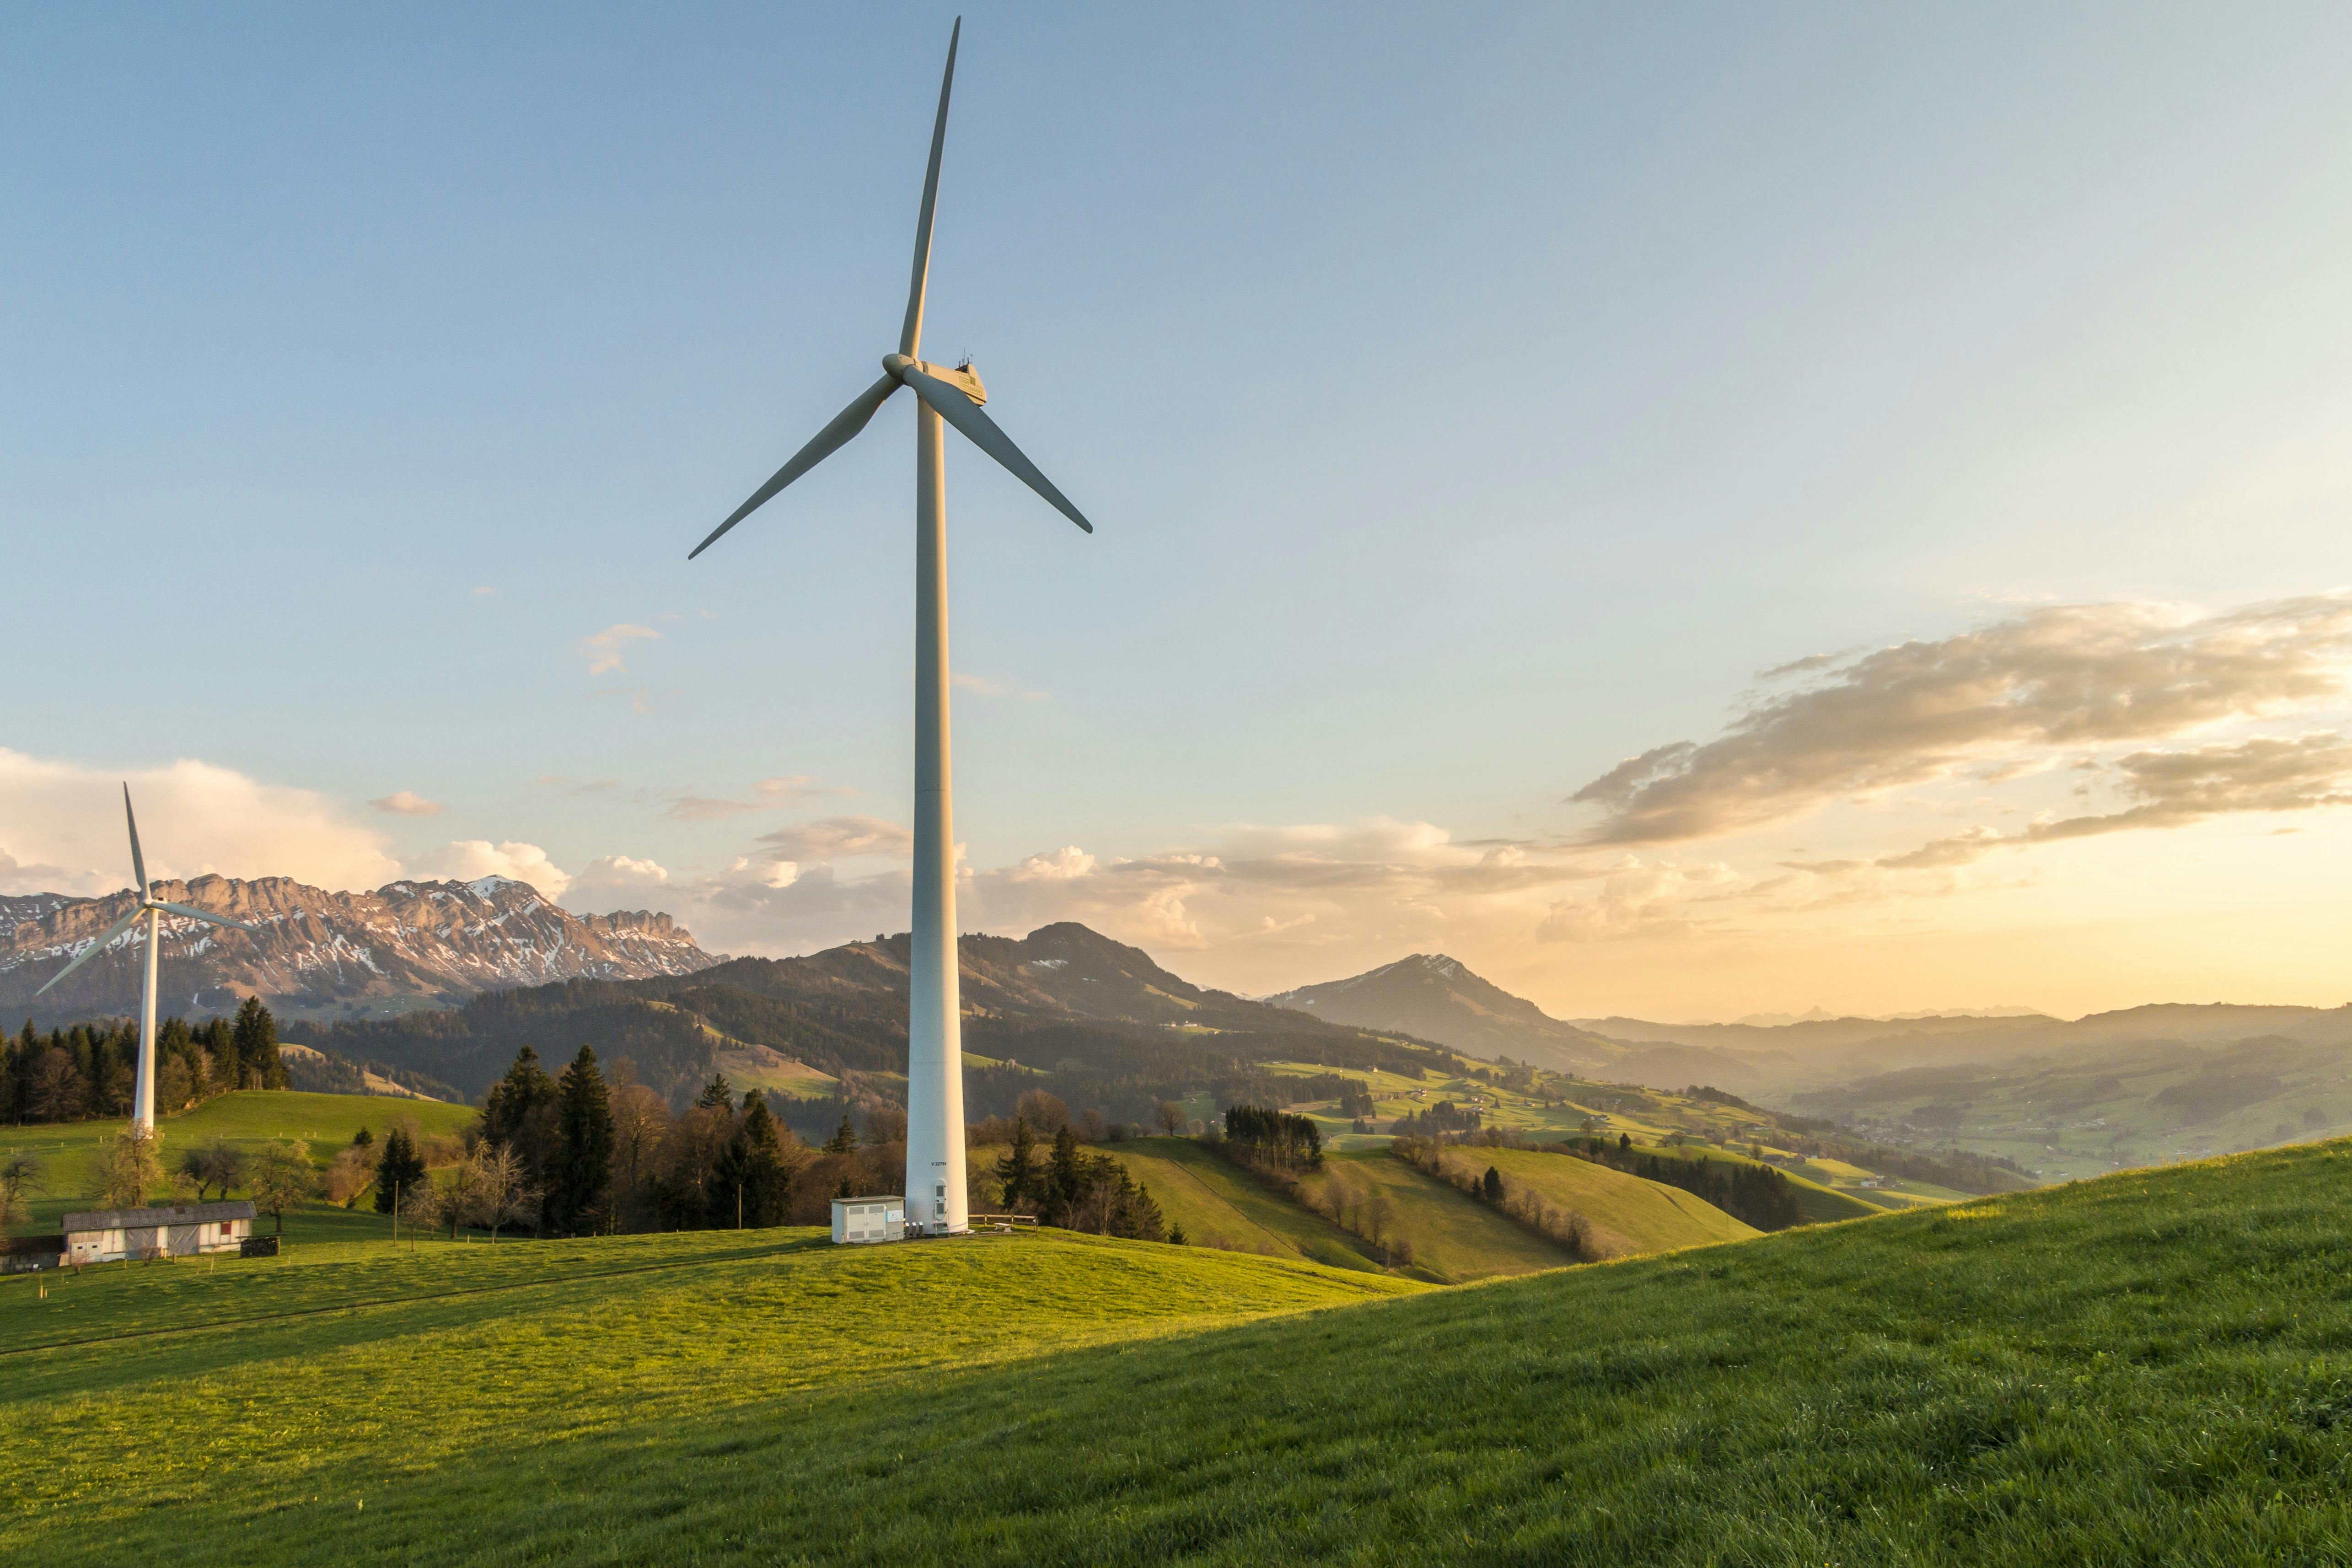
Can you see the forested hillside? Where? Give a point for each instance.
(1103, 1023)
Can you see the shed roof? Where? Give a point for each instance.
(180, 1213)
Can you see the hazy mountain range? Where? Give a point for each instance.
(325, 954)
(2137, 1085)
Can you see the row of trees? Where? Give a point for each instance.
(1757, 1194)
(90, 1069)
(1563, 1227)
(1439, 1120)
(1077, 1191)
(1263, 1135)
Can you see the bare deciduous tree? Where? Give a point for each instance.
(282, 1178)
(130, 1167)
(19, 1171)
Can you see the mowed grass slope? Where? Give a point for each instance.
(1231, 1207)
(1819, 1205)
(443, 1388)
(1628, 1214)
(2153, 1367)
(248, 1119)
(1454, 1236)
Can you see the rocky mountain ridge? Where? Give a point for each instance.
(323, 955)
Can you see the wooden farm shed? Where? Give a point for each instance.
(109, 1236)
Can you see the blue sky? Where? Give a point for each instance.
(1467, 400)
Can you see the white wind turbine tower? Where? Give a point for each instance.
(935, 1157)
(150, 909)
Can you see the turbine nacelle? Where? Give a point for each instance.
(962, 377)
(954, 394)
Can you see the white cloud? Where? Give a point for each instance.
(468, 859)
(604, 649)
(841, 838)
(611, 882)
(1064, 865)
(2007, 698)
(61, 829)
(407, 803)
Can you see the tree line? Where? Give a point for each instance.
(1074, 1190)
(90, 1069)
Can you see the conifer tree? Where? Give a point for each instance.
(219, 1044)
(399, 1172)
(767, 1175)
(844, 1139)
(1066, 1179)
(255, 1035)
(582, 1179)
(507, 1110)
(1016, 1170)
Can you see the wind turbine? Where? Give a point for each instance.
(150, 909)
(935, 1158)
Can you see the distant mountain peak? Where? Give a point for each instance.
(1435, 996)
(405, 945)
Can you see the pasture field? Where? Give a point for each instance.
(1454, 1237)
(2155, 1366)
(275, 1397)
(1218, 1206)
(247, 1118)
(1232, 1204)
(1628, 1214)
(1819, 1205)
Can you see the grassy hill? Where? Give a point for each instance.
(1454, 1237)
(2149, 1367)
(1628, 1213)
(247, 1118)
(1817, 1202)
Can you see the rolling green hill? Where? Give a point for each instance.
(1819, 1205)
(247, 1118)
(1454, 1237)
(1628, 1213)
(2149, 1367)
(1220, 1205)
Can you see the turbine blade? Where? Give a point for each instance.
(194, 913)
(138, 865)
(971, 419)
(911, 333)
(93, 950)
(823, 445)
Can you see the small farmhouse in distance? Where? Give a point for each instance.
(110, 1235)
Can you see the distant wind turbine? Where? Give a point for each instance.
(935, 1158)
(152, 910)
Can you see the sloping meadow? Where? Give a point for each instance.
(2155, 1366)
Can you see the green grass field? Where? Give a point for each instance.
(1454, 1237)
(247, 1118)
(1628, 1213)
(1232, 1208)
(1818, 1204)
(2155, 1367)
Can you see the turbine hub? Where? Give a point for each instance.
(962, 377)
